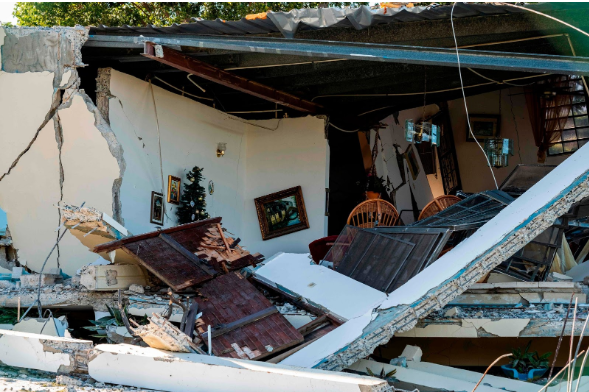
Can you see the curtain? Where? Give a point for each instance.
(548, 116)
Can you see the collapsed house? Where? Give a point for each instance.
(468, 252)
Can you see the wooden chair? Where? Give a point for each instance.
(438, 204)
(375, 212)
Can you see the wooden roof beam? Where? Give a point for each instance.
(176, 59)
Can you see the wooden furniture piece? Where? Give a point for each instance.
(438, 204)
(373, 213)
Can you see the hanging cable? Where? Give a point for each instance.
(547, 16)
(464, 97)
(343, 130)
(159, 142)
(182, 91)
(196, 84)
(502, 81)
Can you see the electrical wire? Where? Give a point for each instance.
(464, 96)
(159, 141)
(421, 92)
(501, 82)
(182, 91)
(343, 130)
(196, 84)
(547, 16)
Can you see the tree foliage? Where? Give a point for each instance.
(146, 13)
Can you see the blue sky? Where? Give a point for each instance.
(6, 12)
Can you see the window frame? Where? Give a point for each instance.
(578, 139)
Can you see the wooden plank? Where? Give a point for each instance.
(156, 272)
(184, 252)
(252, 318)
(178, 60)
(113, 245)
(312, 325)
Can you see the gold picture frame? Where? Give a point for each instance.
(282, 213)
(174, 184)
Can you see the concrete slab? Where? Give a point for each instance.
(337, 293)
(154, 369)
(43, 352)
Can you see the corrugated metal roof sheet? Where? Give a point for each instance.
(289, 23)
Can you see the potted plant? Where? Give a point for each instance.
(526, 365)
(375, 187)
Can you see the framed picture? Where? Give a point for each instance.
(282, 213)
(412, 162)
(174, 190)
(157, 208)
(484, 126)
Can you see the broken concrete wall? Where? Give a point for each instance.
(54, 147)
(262, 157)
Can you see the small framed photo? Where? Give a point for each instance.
(157, 208)
(174, 189)
(484, 126)
(282, 213)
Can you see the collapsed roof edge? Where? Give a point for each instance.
(456, 271)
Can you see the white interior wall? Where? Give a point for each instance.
(295, 153)
(474, 172)
(30, 194)
(189, 134)
(276, 155)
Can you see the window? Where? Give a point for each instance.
(566, 112)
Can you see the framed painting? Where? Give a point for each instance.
(412, 162)
(156, 214)
(174, 189)
(281, 213)
(484, 126)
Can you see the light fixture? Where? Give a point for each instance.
(221, 147)
(422, 132)
(498, 151)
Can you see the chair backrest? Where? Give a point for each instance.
(438, 204)
(372, 213)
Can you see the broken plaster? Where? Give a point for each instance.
(58, 50)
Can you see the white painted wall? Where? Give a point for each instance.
(276, 155)
(474, 172)
(296, 153)
(30, 194)
(189, 133)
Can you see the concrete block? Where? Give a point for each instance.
(42, 352)
(175, 372)
(32, 281)
(112, 277)
(412, 353)
(43, 326)
(453, 312)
